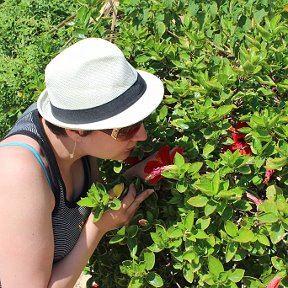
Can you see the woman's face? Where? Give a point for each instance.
(101, 145)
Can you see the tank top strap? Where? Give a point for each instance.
(35, 153)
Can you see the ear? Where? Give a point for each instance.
(75, 135)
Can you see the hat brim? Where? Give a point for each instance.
(141, 109)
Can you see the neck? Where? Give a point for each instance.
(62, 147)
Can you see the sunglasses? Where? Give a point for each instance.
(125, 133)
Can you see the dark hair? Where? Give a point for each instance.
(61, 131)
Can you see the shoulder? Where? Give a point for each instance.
(26, 205)
(22, 173)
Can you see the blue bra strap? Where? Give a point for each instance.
(35, 154)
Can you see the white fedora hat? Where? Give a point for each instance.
(91, 86)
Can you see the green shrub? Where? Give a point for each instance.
(223, 63)
(28, 42)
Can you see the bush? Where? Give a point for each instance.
(219, 217)
(30, 38)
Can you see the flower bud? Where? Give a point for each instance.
(143, 222)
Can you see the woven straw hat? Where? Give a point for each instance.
(91, 86)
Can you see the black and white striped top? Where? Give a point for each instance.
(67, 217)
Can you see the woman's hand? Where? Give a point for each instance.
(114, 219)
(137, 170)
(164, 156)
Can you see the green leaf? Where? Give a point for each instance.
(189, 255)
(189, 220)
(116, 239)
(278, 263)
(216, 182)
(244, 235)
(254, 42)
(269, 206)
(245, 169)
(115, 204)
(135, 282)
(243, 205)
(210, 208)
(231, 228)
(97, 213)
(272, 191)
(215, 266)
(132, 231)
(86, 202)
(198, 201)
(201, 234)
(154, 279)
(163, 112)
(248, 67)
(195, 167)
(268, 217)
(181, 186)
(133, 247)
(263, 239)
(117, 167)
(143, 59)
(203, 223)
(160, 29)
(259, 15)
(224, 110)
(231, 251)
(204, 185)
(236, 275)
(276, 233)
(149, 259)
(208, 148)
(188, 273)
(276, 163)
(156, 238)
(179, 160)
(174, 232)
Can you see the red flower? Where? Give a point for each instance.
(256, 200)
(156, 174)
(132, 160)
(275, 282)
(236, 135)
(164, 158)
(268, 175)
(239, 140)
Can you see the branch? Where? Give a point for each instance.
(63, 23)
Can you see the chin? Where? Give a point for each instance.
(122, 157)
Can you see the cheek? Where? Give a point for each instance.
(113, 151)
(103, 146)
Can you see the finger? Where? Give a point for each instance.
(139, 199)
(130, 197)
(111, 194)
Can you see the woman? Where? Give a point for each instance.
(92, 107)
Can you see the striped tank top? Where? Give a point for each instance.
(67, 217)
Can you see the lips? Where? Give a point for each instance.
(131, 148)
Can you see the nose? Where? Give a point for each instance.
(141, 134)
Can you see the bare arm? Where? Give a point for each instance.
(26, 203)
(66, 272)
(27, 247)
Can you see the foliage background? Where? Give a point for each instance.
(222, 62)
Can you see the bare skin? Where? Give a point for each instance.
(26, 205)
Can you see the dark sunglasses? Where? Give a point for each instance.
(124, 133)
